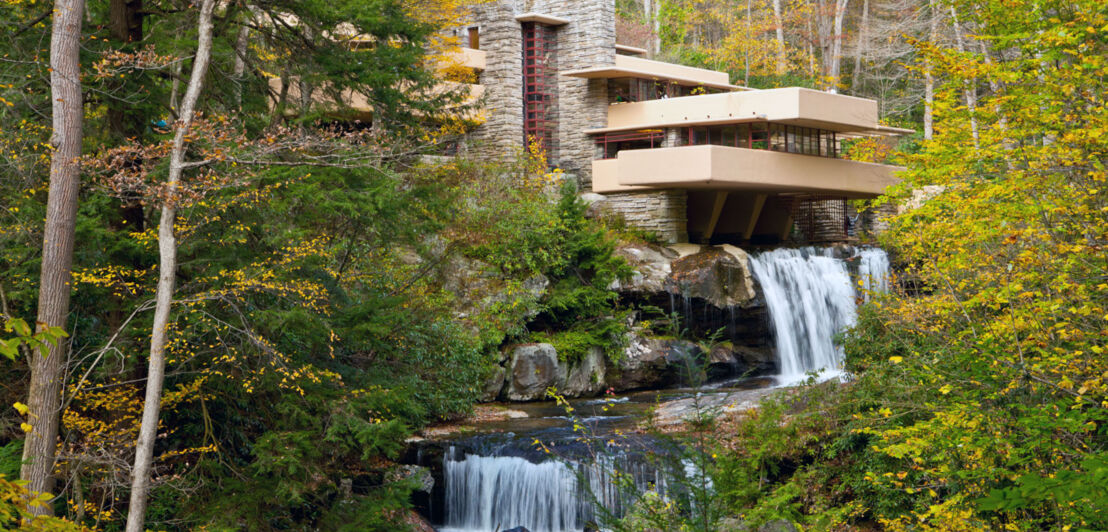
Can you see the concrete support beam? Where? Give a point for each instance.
(717, 208)
(755, 212)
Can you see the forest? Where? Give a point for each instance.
(230, 304)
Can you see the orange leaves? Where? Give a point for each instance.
(116, 63)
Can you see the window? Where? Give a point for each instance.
(474, 38)
(612, 143)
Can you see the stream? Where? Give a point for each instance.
(549, 467)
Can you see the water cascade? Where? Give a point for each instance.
(873, 271)
(488, 493)
(495, 485)
(810, 298)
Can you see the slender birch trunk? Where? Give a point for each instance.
(837, 42)
(782, 61)
(167, 270)
(44, 397)
(239, 68)
(929, 80)
(862, 42)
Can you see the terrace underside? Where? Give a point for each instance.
(740, 195)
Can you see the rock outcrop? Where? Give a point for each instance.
(533, 368)
(706, 292)
(720, 276)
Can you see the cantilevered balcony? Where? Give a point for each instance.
(710, 167)
(794, 106)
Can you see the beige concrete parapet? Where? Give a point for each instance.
(627, 66)
(725, 168)
(470, 58)
(794, 105)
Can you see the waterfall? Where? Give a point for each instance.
(490, 493)
(873, 271)
(487, 493)
(810, 298)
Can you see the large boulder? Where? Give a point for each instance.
(495, 384)
(681, 411)
(651, 362)
(586, 376)
(728, 360)
(719, 275)
(651, 266)
(533, 368)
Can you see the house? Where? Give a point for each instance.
(676, 150)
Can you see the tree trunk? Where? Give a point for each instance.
(780, 27)
(167, 270)
(240, 62)
(969, 86)
(44, 397)
(837, 43)
(125, 25)
(929, 80)
(746, 62)
(656, 21)
(859, 47)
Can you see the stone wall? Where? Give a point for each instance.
(587, 40)
(662, 212)
(501, 135)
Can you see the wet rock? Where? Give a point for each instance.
(682, 410)
(651, 264)
(779, 525)
(732, 524)
(534, 368)
(518, 529)
(586, 377)
(650, 362)
(494, 385)
(718, 275)
(425, 481)
(729, 360)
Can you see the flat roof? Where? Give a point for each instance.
(531, 16)
(610, 72)
(631, 49)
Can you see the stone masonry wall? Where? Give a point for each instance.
(663, 212)
(501, 135)
(587, 40)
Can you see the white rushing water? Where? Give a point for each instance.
(487, 493)
(810, 298)
(873, 271)
(497, 493)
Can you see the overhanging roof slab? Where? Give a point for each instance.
(727, 168)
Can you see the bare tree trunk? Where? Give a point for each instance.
(837, 43)
(746, 62)
(970, 86)
(780, 27)
(47, 373)
(929, 80)
(860, 46)
(656, 19)
(240, 63)
(167, 271)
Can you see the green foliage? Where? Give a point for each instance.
(15, 512)
(24, 336)
(11, 458)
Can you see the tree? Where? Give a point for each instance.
(167, 272)
(47, 374)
